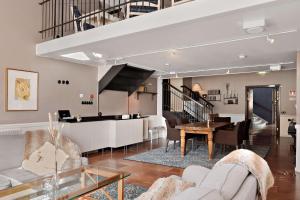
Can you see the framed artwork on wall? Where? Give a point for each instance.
(21, 90)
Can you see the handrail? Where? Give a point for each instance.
(183, 86)
(261, 106)
(58, 19)
(186, 96)
(178, 101)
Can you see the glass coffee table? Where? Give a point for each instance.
(73, 184)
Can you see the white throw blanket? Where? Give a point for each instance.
(165, 188)
(255, 164)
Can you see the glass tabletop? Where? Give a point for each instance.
(70, 184)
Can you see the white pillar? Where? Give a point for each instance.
(298, 114)
(297, 169)
(159, 97)
(102, 70)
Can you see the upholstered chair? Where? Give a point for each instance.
(222, 119)
(232, 137)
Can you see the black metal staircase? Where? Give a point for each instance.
(196, 96)
(196, 109)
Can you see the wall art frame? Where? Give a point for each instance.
(21, 90)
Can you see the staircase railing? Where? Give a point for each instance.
(64, 17)
(262, 111)
(182, 104)
(196, 96)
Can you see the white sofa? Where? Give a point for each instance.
(11, 157)
(12, 149)
(229, 181)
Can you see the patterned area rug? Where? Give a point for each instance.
(199, 156)
(130, 192)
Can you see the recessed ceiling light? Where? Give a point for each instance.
(242, 56)
(262, 72)
(172, 73)
(97, 55)
(76, 56)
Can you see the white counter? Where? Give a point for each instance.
(284, 124)
(96, 135)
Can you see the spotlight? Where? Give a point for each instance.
(262, 73)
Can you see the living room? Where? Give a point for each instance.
(112, 104)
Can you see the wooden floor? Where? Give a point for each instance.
(280, 159)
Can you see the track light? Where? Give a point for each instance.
(269, 39)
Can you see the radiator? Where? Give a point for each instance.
(13, 131)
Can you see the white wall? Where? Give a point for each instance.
(159, 97)
(176, 104)
(20, 22)
(298, 114)
(238, 82)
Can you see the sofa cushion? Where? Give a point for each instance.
(195, 174)
(199, 193)
(11, 151)
(18, 175)
(248, 190)
(227, 179)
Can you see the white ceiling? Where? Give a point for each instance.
(208, 45)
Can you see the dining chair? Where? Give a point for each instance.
(232, 137)
(173, 134)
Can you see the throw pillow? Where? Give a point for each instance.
(42, 161)
(226, 179)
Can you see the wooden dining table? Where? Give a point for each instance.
(203, 128)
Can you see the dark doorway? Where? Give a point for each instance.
(262, 106)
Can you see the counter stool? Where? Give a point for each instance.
(155, 130)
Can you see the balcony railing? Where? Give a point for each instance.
(64, 17)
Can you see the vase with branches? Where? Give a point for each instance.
(55, 130)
